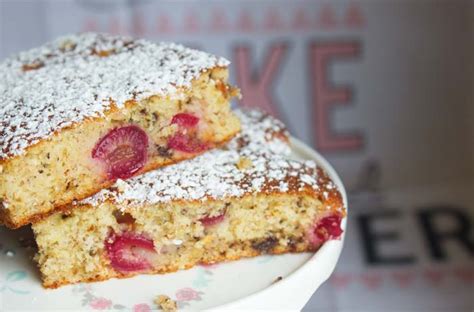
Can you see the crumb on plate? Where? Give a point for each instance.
(165, 303)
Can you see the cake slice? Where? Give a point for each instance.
(85, 110)
(243, 200)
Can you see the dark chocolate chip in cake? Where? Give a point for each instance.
(265, 245)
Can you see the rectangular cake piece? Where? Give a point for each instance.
(85, 110)
(243, 200)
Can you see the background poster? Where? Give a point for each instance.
(383, 89)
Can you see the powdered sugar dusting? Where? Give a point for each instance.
(79, 76)
(261, 146)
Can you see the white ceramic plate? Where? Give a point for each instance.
(243, 284)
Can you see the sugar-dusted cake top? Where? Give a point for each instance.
(255, 161)
(79, 76)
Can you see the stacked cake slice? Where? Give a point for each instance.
(108, 113)
(83, 111)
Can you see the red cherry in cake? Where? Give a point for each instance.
(185, 120)
(331, 226)
(210, 221)
(185, 139)
(130, 252)
(186, 143)
(326, 229)
(123, 150)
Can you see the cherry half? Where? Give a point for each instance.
(326, 229)
(130, 252)
(123, 150)
(185, 139)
